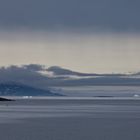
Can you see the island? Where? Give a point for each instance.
(5, 99)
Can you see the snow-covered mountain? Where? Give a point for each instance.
(15, 89)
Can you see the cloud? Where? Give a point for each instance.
(59, 71)
(34, 67)
(22, 74)
(110, 15)
(30, 75)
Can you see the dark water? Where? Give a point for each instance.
(70, 119)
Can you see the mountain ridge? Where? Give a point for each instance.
(18, 89)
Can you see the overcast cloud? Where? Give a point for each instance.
(96, 36)
(102, 15)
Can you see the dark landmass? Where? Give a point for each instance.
(101, 81)
(5, 99)
(104, 96)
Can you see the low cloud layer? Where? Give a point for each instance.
(34, 75)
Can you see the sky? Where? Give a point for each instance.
(84, 35)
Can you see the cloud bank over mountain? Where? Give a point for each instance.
(42, 77)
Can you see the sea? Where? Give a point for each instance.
(92, 113)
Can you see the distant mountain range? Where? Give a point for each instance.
(14, 89)
(38, 78)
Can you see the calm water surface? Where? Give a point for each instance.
(70, 119)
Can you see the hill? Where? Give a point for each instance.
(16, 89)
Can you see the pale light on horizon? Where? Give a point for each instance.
(100, 53)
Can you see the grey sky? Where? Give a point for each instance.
(116, 15)
(84, 35)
